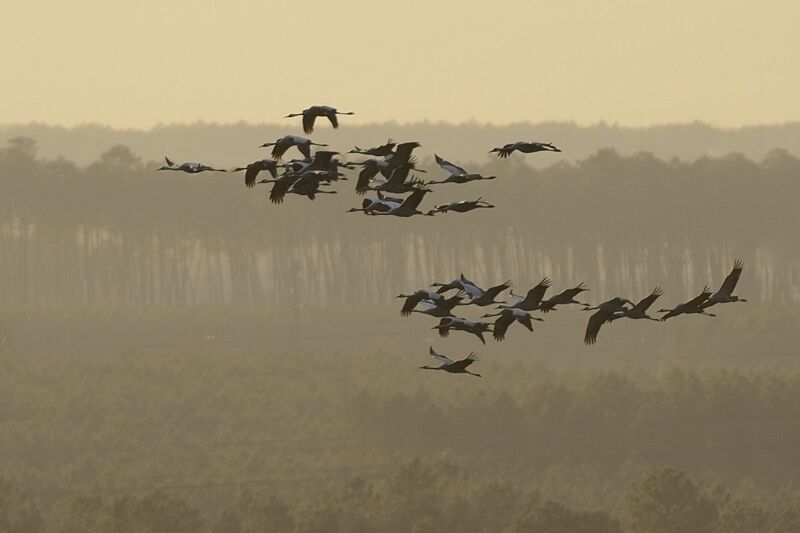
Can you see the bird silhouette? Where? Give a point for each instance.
(310, 115)
(454, 367)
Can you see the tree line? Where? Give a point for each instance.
(418, 496)
(116, 234)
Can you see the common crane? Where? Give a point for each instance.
(281, 145)
(564, 297)
(409, 207)
(605, 311)
(456, 173)
(454, 367)
(524, 147)
(310, 115)
(190, 167)
(378, 151)
(725, 293)
(455, 284)
(413, 299)
(397, 183)
(639, 311)
(481, 297)
(693, 306)
(252, 170)
(440, 308)
(461, 207)
(306, 184)
(462, 324)
(532, 300)
(370, 206)
(506, 317)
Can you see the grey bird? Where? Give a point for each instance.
(692, 307)
(507, 317)
(725, 293)
(190, 167)
(524, 147)
(604, 313)
(310, 116)
(454, 367)
(281, 145)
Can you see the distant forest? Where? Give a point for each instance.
(116, 233)
(227, 144)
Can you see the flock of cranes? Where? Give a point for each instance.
(390, 169)
(439, 305)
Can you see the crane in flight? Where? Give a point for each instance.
(605, 311)
(251, 171)
(190, 167)
(566, 296)
(725, 293)
(456, 174)
(639, 311)
(462, 324)
(282, 144)
(454, 367)
(692, 307)
(310, 116)
(508, 316)
(378, 151)
(463, 206)
(524, 147)
(409, 207)
(532, 300)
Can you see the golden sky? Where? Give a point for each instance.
(140, 63)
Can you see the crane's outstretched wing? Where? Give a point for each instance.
(280, 148)
(525, 320)
(573, 292)
(464, 363)
(729, 285)
(364, 177)
(501, 326)
(700, 298)
(402, 152)
(453, 169)
(492, 292)
(410, 303)
(645, 303)
(593, 327)
(414, 199)
(279, 190)
(443, 327)
(308, 122)
(334, 119)
(439, 357)
(536, 294)
(305, 149)
(250, 175)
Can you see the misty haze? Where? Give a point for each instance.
(190, 346)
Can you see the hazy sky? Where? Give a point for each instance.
(138, 63)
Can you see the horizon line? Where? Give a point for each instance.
(417, 123)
